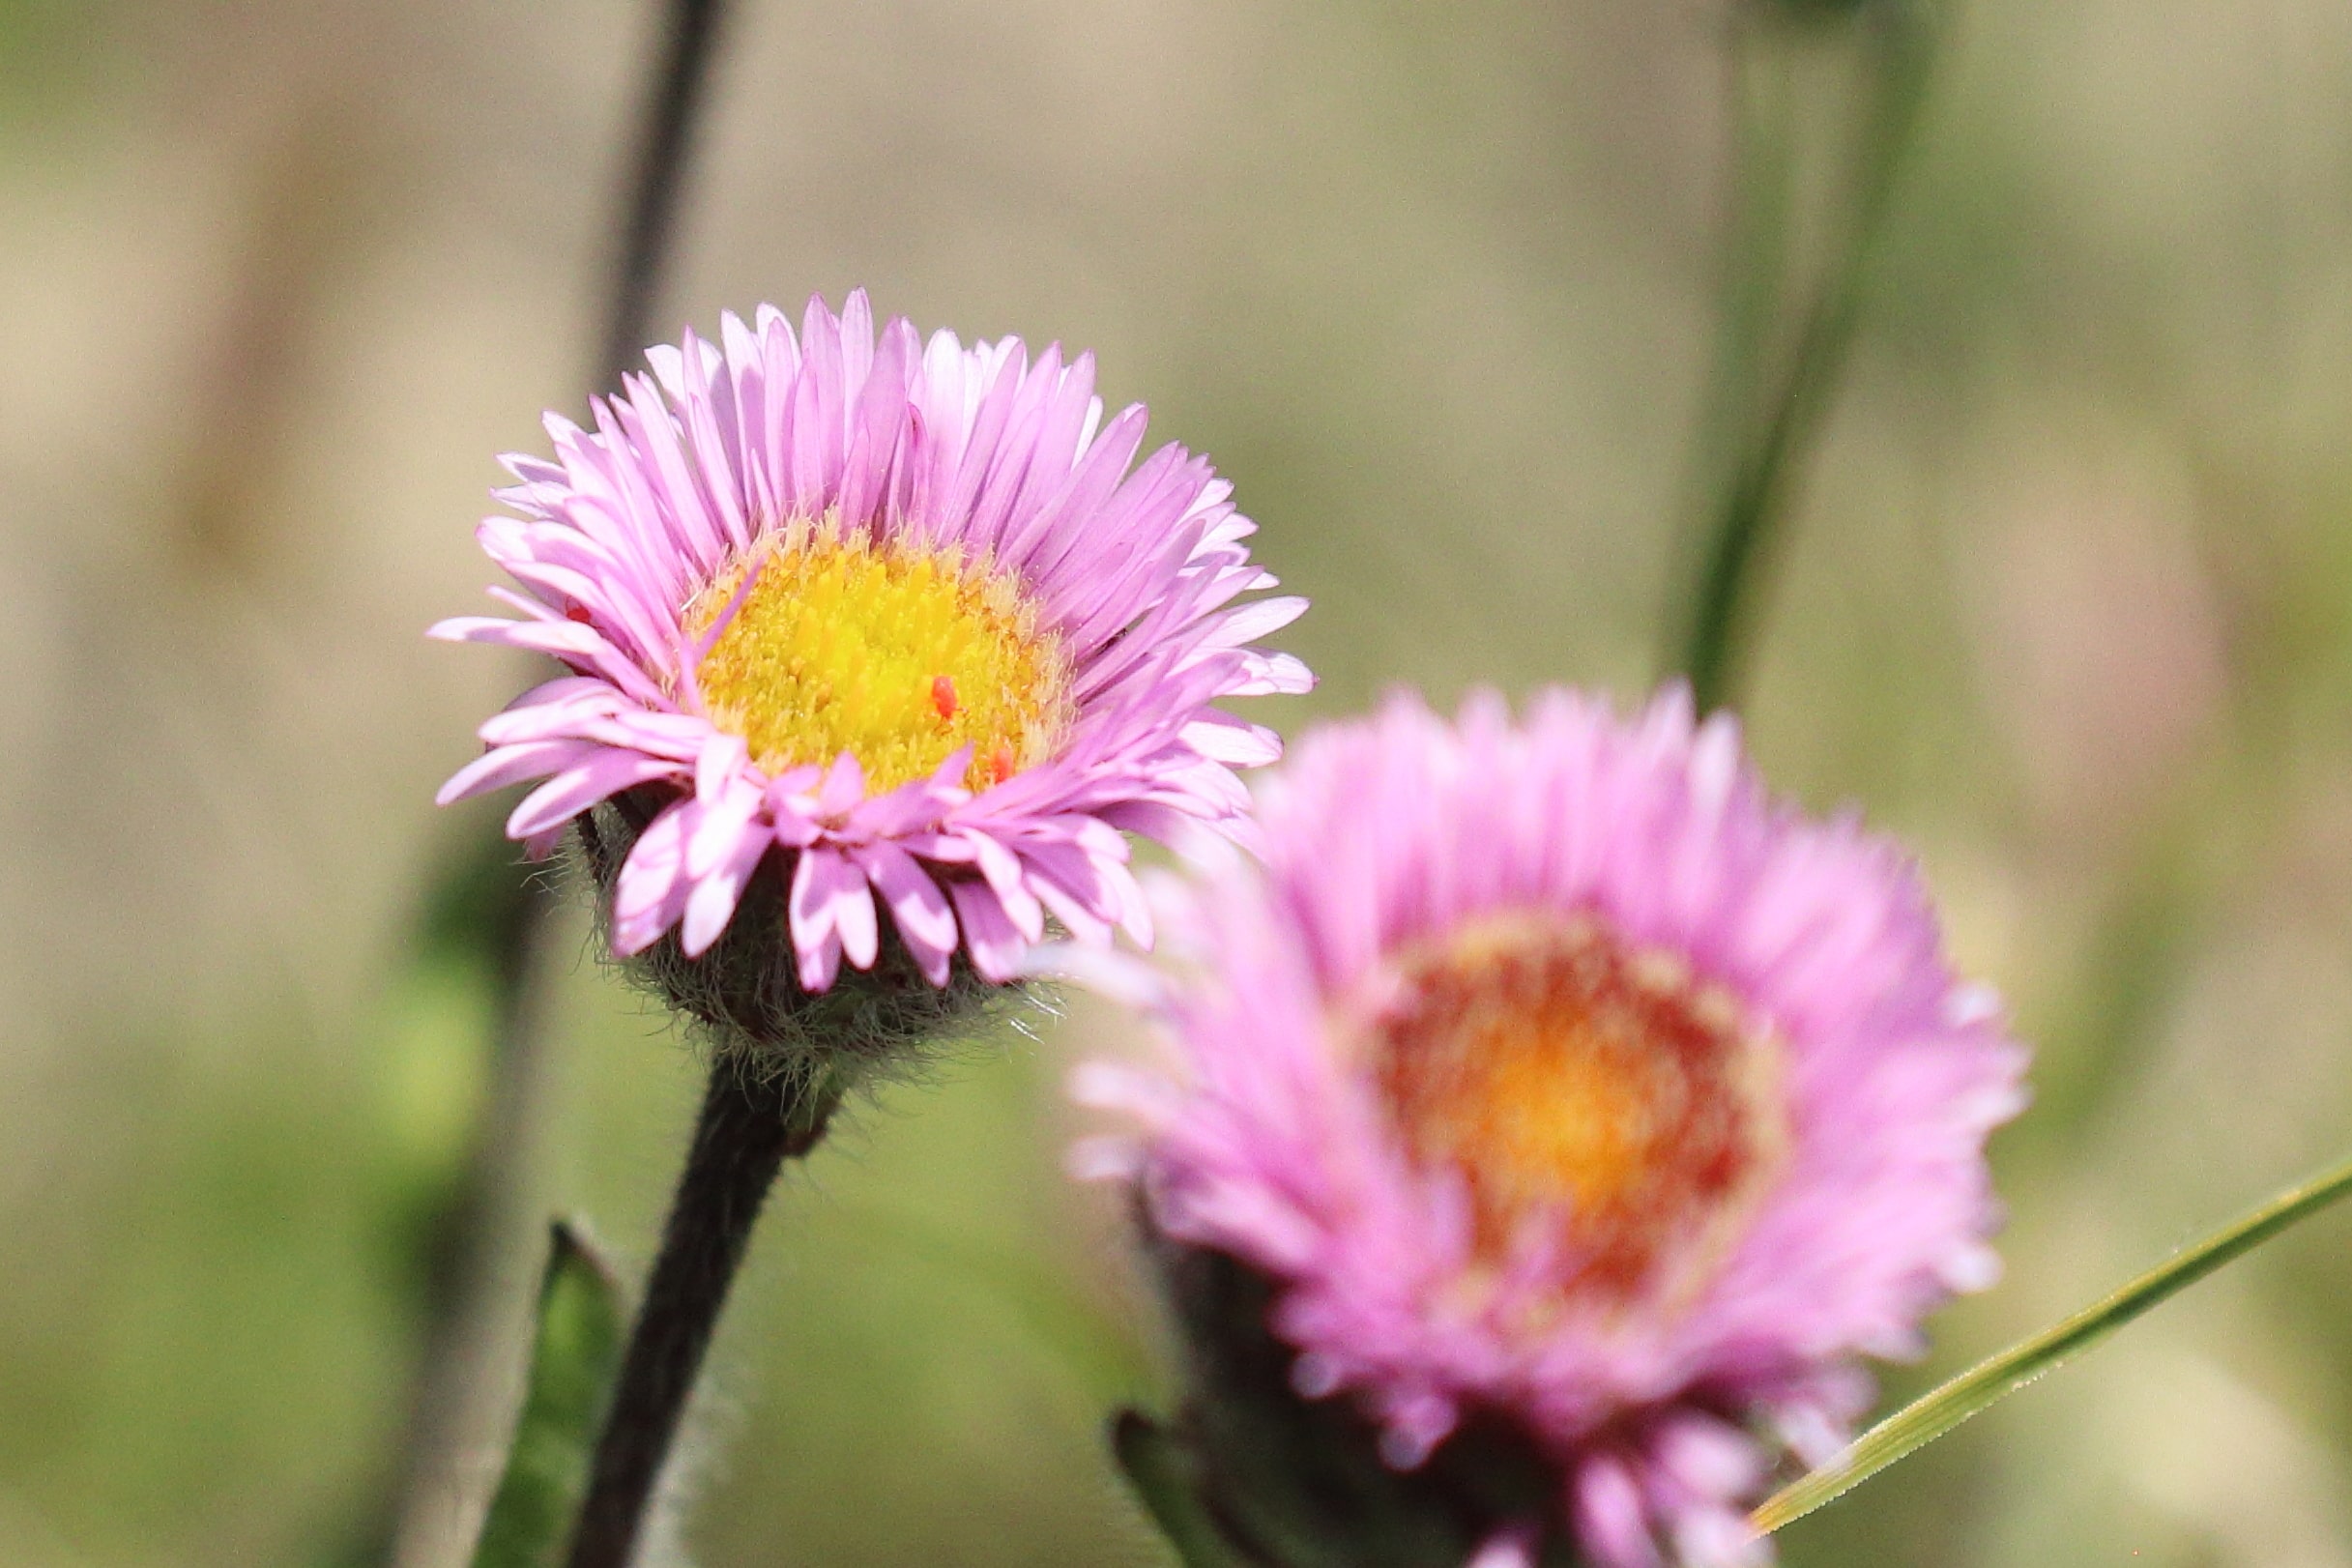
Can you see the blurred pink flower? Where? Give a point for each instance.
(899, 616)
(1553, 1072)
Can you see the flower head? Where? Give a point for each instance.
(896, 620)
(1553, 1075)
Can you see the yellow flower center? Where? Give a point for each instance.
(1574, 1082)
(896, 654)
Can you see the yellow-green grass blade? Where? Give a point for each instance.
(1928, 1417)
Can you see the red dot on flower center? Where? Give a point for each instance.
(1576, 1083)
(943, 697)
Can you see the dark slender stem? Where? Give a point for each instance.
(1750, 505)
(748, 1127)
(688, 47)
(503, 919)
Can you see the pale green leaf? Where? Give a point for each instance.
(572, 1363)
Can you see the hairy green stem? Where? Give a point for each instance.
(749, 1126)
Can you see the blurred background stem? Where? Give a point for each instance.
(689, 42)
(486, 907)
(1786, 325)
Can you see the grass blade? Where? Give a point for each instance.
(1930, 1416)
(572, 1363)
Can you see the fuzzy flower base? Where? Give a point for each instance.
(1551, 1076)
(743, 998)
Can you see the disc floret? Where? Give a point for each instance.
(1599, 1097)
(824, 641)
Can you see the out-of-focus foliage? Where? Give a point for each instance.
(2068, 603)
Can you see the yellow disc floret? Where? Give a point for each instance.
(896, 654)
(1574, 1082)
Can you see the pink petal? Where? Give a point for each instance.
(1222, 737)
(1273, 675)
(652, 888)
(1512, 1549)
(926, 923)
(712, 902)
(1259, 618)
(843, 788)
(854, 917)
(577, 788)
(512, 764)
(1611, 1518)
(1005, 878)
(995, 947)
(816, 882)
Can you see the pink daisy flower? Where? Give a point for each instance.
(1554, 1075)
(895, 619)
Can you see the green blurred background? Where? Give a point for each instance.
(2069, 604)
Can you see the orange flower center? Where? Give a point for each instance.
(1574, 1082)
(896, 654)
